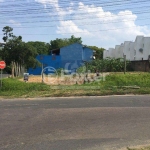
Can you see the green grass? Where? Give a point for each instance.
(139, 79)
(114, 84)
(15, 88)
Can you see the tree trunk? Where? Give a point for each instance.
(22, 70)
(17, 69)
(12, 71)
(14, 64)
(19, 66)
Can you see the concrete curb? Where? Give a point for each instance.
(71, 97)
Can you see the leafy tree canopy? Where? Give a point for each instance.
(7, 31)
(58, 43)
(98, 52)
(15, 50)
(41, 47)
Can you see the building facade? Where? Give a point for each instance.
(69, 58)
(138, 52)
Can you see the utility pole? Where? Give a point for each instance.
(1, 78)
(42, 72)
(125, 64)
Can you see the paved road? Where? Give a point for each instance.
(93, 123)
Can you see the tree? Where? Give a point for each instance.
(98, 52)
(73, 39)
(7, 33)
(28, 55)
(17, 54)
(41, 47)
(58, 43)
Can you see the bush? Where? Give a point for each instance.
(60, 71)
(108, 65)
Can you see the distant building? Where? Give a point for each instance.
(132, 51)
(126, 50)
(69, 58)
(117, 51)
(112, 52)
(105, 54)
(138, 52)
(138, 47)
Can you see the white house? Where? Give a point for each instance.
(137, 52)
(117, 51)
(106, 54)
(126, 49)
(139, 47)
(146, 48)
(121, 50)
(112, 52)
(132, 51)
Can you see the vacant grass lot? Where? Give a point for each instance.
(115, 83)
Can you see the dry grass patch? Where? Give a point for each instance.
(51, 80)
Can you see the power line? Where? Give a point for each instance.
(35, 13)
(85, 23)
(93, 17)
(49, 8)
(37, 17)
(69, 19)
(88, 31)
(22, 4)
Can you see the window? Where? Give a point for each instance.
(141, 50)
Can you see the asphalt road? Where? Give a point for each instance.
(93, 123)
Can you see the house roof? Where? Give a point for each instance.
(55, 49)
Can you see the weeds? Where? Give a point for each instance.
(115, 83)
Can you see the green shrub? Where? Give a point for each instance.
(142, 80)
(107, 65)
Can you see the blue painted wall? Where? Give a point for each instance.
(71, 52)
(48, 61)
(87, 54)
(71, 57)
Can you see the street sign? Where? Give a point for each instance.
(2, 64)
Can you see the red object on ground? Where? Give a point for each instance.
(2, 64)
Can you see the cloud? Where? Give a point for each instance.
(48, 2)
(71, 28)
(90, 21)
(56, 8)
(1, 0)
(52, 2)
(15, 23)
(107, 26)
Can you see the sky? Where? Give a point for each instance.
(101, 23)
